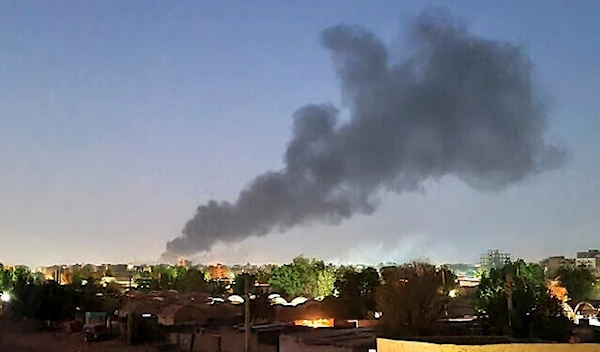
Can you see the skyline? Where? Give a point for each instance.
(119, 121)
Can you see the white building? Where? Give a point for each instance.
(589, 259)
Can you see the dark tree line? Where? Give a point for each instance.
(523, 287)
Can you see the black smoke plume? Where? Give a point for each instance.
(456, 104)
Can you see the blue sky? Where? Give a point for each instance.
(118, 118)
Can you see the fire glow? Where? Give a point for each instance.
(315, 323)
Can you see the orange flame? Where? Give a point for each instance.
(315, 323)
(558, 291)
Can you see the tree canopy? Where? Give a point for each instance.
(533, 304)
(286, 280)
(579, 282)
(239, 286)
(306, 277)
(411, 299)
(357, 291)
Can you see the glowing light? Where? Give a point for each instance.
(315, 323)
(377, 315)
(453, 293)
(5, 297)
(146, 315)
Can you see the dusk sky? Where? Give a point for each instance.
(117, 119)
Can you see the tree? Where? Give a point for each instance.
(534, 306)
(263, 273)
(307, 270)
(5, 278)
(145, 282)
(56, 302)
(164, 276)
(579, 282)
(190, 280)
(411, 299)
(356, 291)
(325, 282)
(306, 277)
(239, 286)
(286, 280)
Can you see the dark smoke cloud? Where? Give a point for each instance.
(457, 104)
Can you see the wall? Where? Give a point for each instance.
(231, 341)
(385, 345)
(206, 343)
(288, 343)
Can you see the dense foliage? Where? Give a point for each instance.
(303, 277)
(411, 298)
(533, 306)
(356, 288)
(579, 282)
(33, 297)
(239, 286)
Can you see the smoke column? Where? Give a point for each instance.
(456, 104)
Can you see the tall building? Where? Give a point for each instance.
(493, 259)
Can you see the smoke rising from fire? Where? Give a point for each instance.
(456, 104)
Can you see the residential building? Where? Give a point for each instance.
(552, 264)
(589, 259)
(590, 253)
(52, 273)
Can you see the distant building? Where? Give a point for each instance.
(493, 259)
(589, 259)
(184, 263)
(552, 264)
(51, 273)
(591, 253)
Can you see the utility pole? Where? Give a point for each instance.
(246, 314)
(509, 294)
(129, 316)
(444, 291)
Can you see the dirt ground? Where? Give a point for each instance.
(25, 337)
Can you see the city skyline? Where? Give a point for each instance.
(118, 122)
